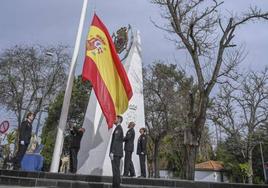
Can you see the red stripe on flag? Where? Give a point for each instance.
(120, 69)
(90, 72)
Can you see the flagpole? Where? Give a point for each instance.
(67, 96)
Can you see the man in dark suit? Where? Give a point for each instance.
(141, 151)
(76, 136)
(25, 133)
(116, 151)
(129, 148)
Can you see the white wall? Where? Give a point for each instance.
(165, 174)
(209, 176)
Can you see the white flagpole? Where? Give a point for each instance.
(67, 96)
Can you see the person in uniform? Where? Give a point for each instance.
(76, 136)
(141, 151)
(129, 148)
(116, 151)
(25, 133)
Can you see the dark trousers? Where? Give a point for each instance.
(142, 165)
(19, 156)
(116, 171)
(73, 159)
(128, 165)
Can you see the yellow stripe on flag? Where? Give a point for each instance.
(104, 62)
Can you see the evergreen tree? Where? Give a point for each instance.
(78, 105)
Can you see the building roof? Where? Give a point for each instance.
(210, 165)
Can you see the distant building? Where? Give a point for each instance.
(165, 174)
(210, 171)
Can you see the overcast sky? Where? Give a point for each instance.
(50, 22)
(56, 21)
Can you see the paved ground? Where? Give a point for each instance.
(9, 186)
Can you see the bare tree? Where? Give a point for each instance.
(30, 77)
(199, 28)
(242, 111)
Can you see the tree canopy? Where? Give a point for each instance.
(78, 105)
(31, 76)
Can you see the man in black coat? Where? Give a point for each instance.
(76, 136)
(141, 151)
(116, 151)
(25, 133)
(129, 148)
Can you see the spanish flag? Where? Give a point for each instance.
(103, 68)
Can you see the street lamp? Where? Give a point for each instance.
(38, 123)
(39, 96)
(39, 120)
(49, 53)
(263, 165)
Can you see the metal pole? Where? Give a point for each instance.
(67, 96)
(264, 171)
(38, 123)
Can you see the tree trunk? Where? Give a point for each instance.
(17, 136)
(250, 171)
(190, 156)
(150, 170)
(155, 159)
(192, 137)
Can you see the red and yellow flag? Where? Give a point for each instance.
(103, 68)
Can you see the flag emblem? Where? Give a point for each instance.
(96, 45)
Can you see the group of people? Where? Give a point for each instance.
(116, 147)
(25, 133)
(116, 151)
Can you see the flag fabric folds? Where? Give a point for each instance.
(103, 68)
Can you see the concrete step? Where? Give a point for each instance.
(54, 183)
(89, 178)
(17, 186)
(46, 179)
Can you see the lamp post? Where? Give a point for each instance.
(39, 120)
(39, 96)
(38, 123)
(263, 165)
